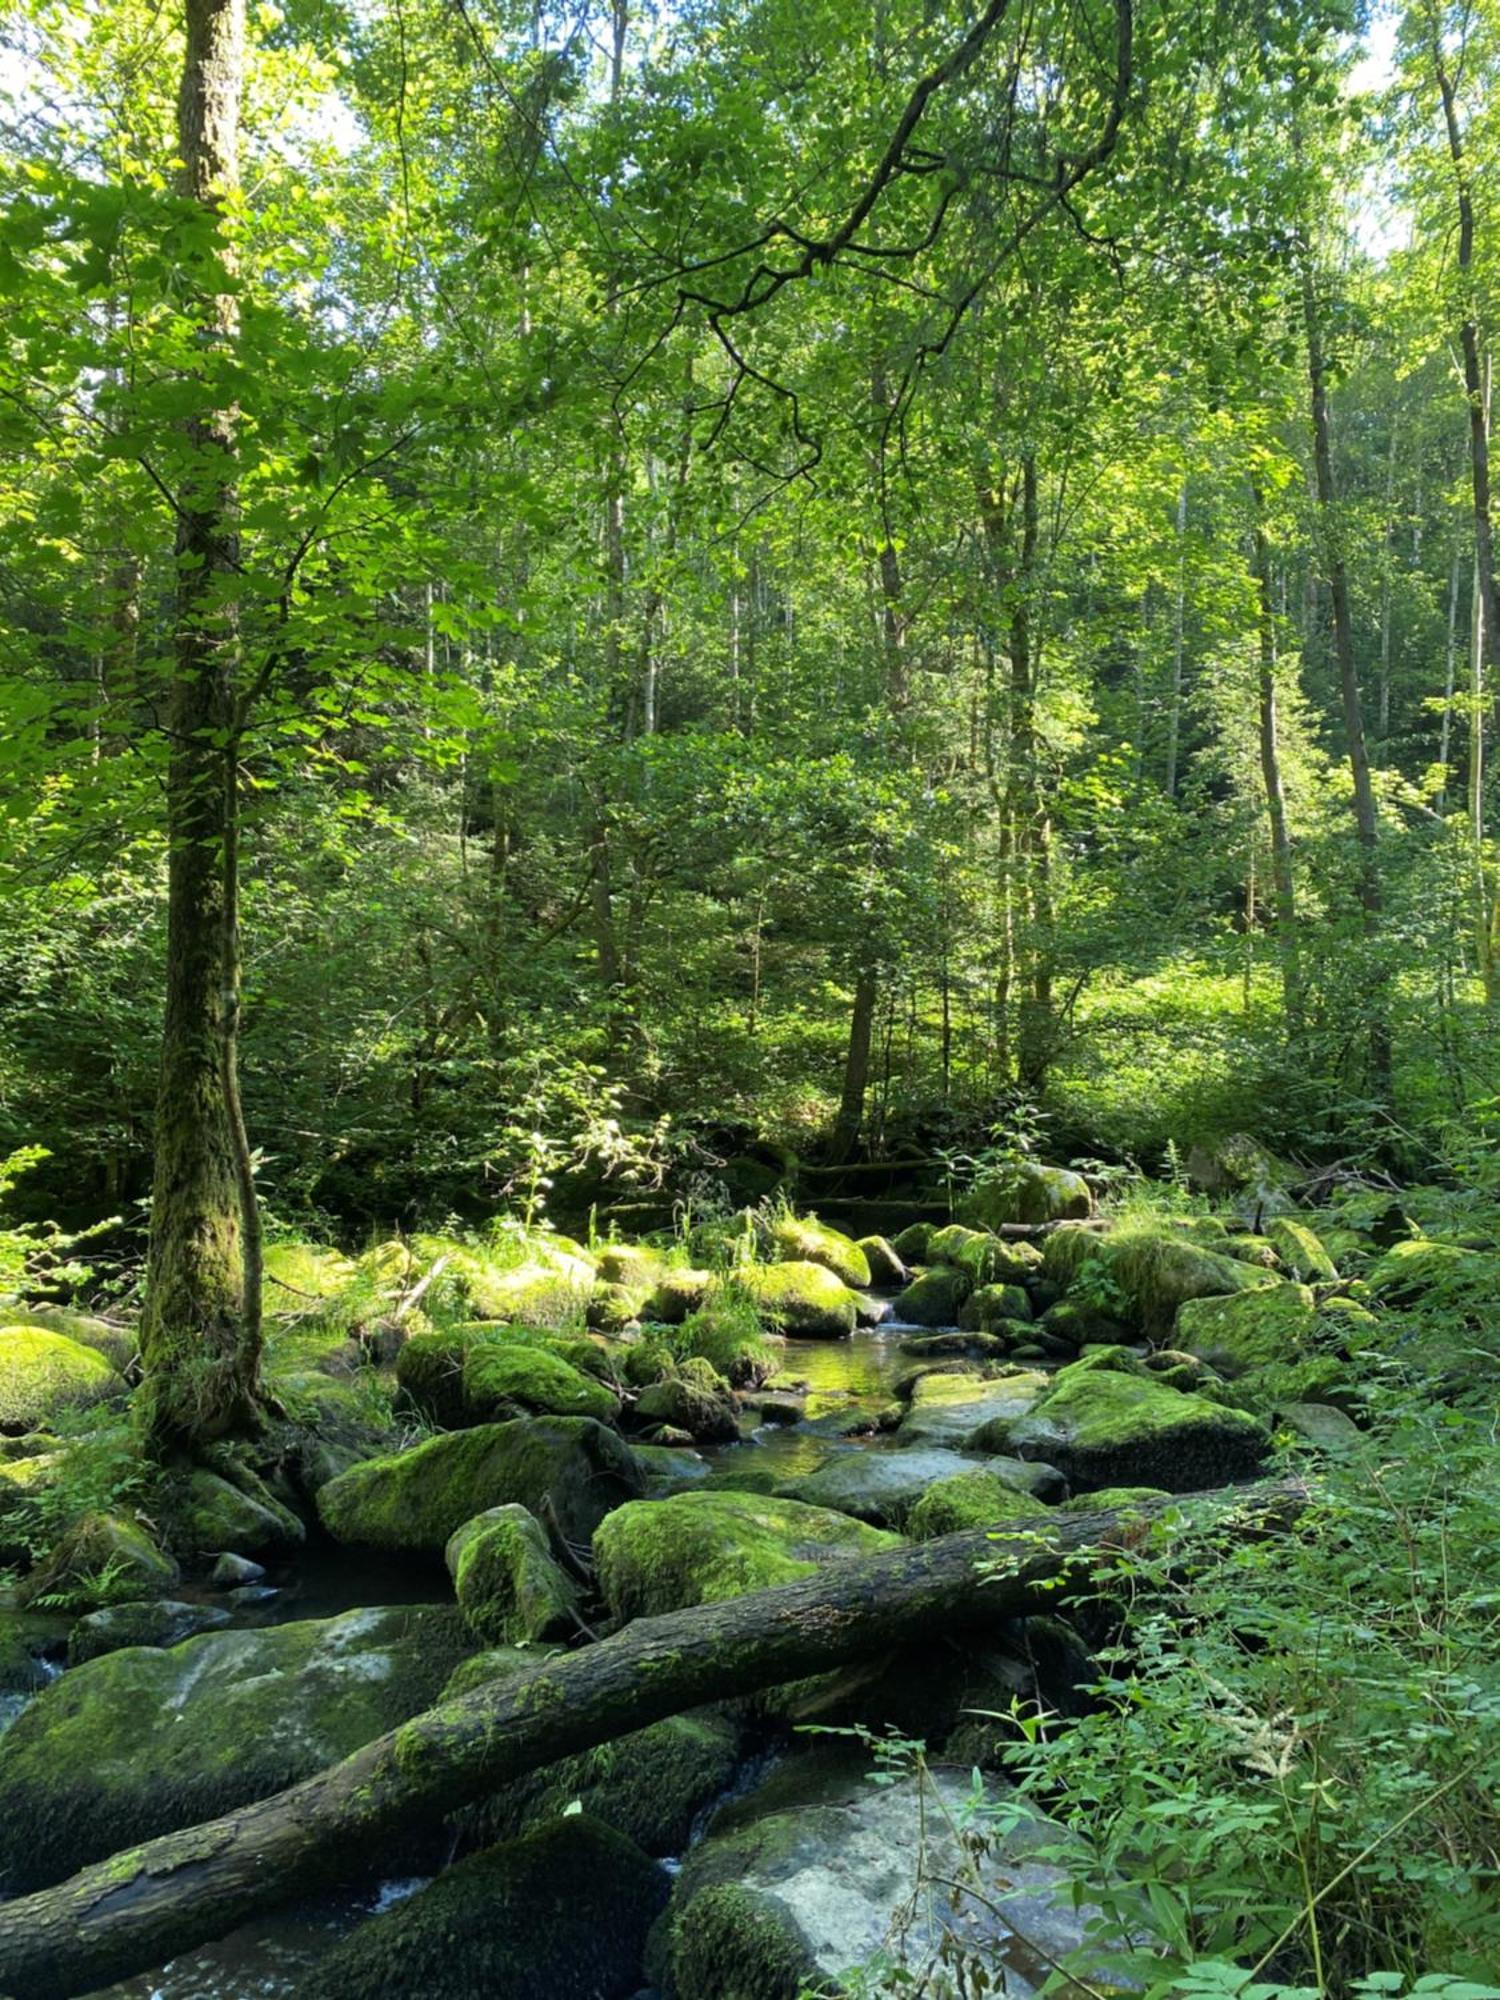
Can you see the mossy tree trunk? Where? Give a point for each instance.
(139, 1908)
(201, 1332)
(1270, 766)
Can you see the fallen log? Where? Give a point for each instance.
(141, 1907)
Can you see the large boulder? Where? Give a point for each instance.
(803, 1239)
(677, 1293)
(934, 1297)
(144, 1740)
(951, 1408)
(1104, 1425)
(704, 1547)
(416, 1499)
(884, 1487)
(992, 1306)
(509, 1587)
(44, 1374)
(1027, 1192)
(564, 1912)
(206, 1513)
(1248, 1330)
(161, 1621)
(802, 1882)
(800, 1298)
(501, 1380)
(988, 1259)
(1142, 1274)
(886, 1266)
(693, 1398)
(118, 1344)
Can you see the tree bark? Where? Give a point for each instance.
(200, 1334)
(130, 1913)
(1283, 880)
(1337, 577)
(851, 1113)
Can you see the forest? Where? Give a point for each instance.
(749, 999)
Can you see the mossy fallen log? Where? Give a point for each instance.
(133, 1911)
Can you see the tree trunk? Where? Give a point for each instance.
(1179, 621)
(130, 1913)
(851, 1114)
(1270, 765)
(200, 1334)
(1337, 576)
(1475, 386)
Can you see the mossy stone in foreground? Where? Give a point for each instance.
(1249, 1330)
(1105, 1428)
(703, 1548)
(101, 1559)
(976, 1499)
(803, 1239)
(43, 1373)
(910, 1244)
(992, 1305)
(416, 1499)
(560, 1914)
(800, 1298)
(145, 1740)
(884, 1260)
(509, 1587)
(694, 1398)
(206, 1514)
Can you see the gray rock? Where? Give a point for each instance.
(948, 1409)
(231, 1570)
(163, 1621)
(883, 1486)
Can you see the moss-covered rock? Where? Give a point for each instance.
(677, 1293)
(964, 1344)
(694, 1398)
(1027, 1192)
(101, 1559)
(802, 1239)
(1143, 1273)
(534, 1294)
(1111, 1499)
(23, 1481)
(994, 1306)
(509, 1588)
(670, 1468)
(650, 1785)
(613, 1308)
(33, 1645)
(1422, 1266)
(204, 1514)
(799, 1298)
(978, 1498)
(1103, 1427)
(934, 1298)
(300, 1276)
(962, 1409)
(563, 1911)
(887, 1269)
(146, 1740)
(910, 1245)
(43, 1374)
(635, 1267)
(1082, 1325)
(501, 1379)
(1248, 1330)
(416, 1499)
(118, 1344)
(704, 1547)
(988, 1259)
(161, 1621)
(883, 1487)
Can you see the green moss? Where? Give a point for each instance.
(960, 1407)
(993, 1306)
(934, 1298)
(563, 1912)
(612, 1308)
(160, 1621)
(694, 1398)
(739, 1944)
(496, 1663)
(649, 1785)
(1249, 1330)
(1030, 1193)
(42, 1374)
(500, 1377)
(118, 1344)
(509, 1588)
(911, 1244)
(802, 1239)
(799, 1298)
(416, 1499)
(1109, 1499)
(677, 1293)
(300, 1276)
(143, 1741)
(101, 1559)
(703, 1548)
(886, 1265)
(205, 1514)
(633, 1266)
(1421, 1266)
(1104, 1428)
(22, 1483)
(977, 1499)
